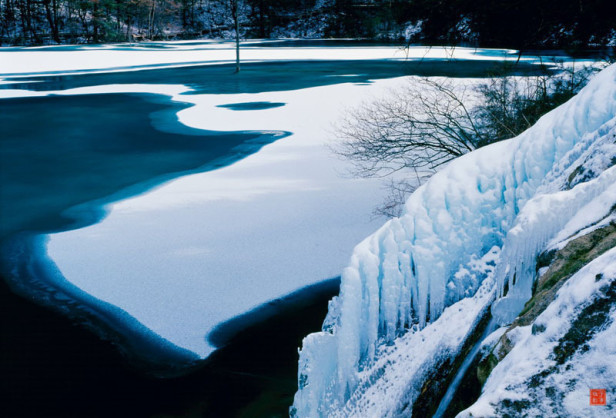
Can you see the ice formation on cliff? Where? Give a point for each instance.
(477, 224)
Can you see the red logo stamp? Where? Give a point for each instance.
(598, 397)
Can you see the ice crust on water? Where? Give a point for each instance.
(511, 198)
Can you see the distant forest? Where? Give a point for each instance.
(519, 24)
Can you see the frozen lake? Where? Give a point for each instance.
(164, 195)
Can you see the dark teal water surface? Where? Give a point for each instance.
(274, 76)
(251, 105)
(58, 152)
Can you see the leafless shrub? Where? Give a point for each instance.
(420, 127)
(432, 121)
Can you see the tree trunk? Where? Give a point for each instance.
(151, 20)
(95, 23)
(262, 19)
(236, 20)
(237, 46)
(29, 13)
(54, 9)
(52, 16)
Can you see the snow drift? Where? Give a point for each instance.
(477, 224)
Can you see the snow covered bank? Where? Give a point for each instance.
(120, 57)
(401, 279)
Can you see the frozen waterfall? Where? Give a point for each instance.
(487, 214)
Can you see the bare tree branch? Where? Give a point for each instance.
(432, 121)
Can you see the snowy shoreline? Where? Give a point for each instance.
(40, 281)
(113, 57)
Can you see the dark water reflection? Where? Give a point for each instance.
(251, 105)
(58, 152)
(275, 76)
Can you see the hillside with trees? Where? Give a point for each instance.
(522, 24)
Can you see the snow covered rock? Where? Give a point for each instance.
(480, 223)
(568, 350)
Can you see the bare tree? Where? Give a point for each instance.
(235, 14)
(398, 190)
(510, 105)
(421, 127)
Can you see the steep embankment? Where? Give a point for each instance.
(563, 343)
(419, 291)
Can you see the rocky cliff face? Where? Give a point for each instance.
(562, 345)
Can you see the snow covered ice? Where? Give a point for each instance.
(477, 224)
(270, 224)
(55, 60)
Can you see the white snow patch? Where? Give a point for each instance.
(58, 60)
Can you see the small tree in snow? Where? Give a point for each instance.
(238, 10)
